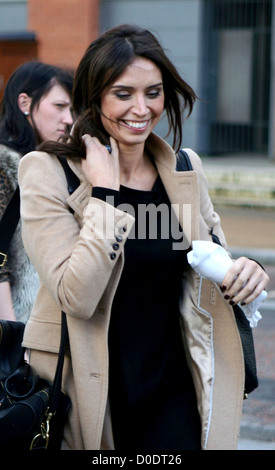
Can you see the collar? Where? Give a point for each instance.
(181, 187)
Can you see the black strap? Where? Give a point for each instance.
(184, 164)
(72, 179)
(56, 388)
(183, 161)
(8, 224)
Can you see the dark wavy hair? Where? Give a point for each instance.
(35, 79)
(104, 60)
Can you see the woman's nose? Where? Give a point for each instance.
(68, 117)
(140, 107)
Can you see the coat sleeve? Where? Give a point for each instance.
(73, 257)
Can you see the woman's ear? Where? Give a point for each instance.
(24, 103)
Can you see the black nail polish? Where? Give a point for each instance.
(227, 297)
(243, 303)
(232, 302)
(223, 288)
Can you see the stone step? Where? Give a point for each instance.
(252, 195)
(241, 182)
(236, 201)
(247, 178)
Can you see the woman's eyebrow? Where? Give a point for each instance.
(156, 85)
(125, 87)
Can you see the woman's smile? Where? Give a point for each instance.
(136, 125)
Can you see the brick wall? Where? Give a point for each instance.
(64, 28)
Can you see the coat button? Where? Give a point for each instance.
(113, 256)
(119, 238)
(122, 229)
(115, 246)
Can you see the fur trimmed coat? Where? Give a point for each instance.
(18, 270)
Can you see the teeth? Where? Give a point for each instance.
(137, 125)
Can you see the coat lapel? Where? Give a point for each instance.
(182, 187)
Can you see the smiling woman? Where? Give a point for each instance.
(153, 347)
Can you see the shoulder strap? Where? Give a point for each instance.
(72, 179)
(183, 162)
(8, 225)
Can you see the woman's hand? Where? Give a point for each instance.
(244, 281)
(100, 167)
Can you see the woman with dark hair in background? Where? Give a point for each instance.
(36, 107)
(131, 299)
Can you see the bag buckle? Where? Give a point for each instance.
(3, 259)
(44, 435)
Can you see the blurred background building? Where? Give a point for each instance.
(225, 49)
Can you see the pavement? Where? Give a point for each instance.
(250, 231)
(258, 421)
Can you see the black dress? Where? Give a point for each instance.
(152, 397)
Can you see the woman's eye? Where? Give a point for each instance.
(153, 94)
(122, 96)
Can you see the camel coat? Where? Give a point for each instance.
(79, 257)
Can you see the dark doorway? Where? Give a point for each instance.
(236, 64)
(14, 52)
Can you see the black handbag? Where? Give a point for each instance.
(33, 411)
(245, 331)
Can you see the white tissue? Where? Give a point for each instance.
(212, 262)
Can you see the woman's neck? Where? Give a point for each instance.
(136, 168)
